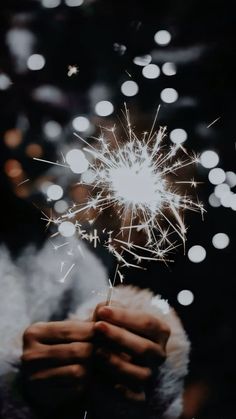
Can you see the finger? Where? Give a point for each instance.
(103, 304)
(136, 396)
(95, 314)
(59, 332)
(72, 372)
(124, 371)
(144, 324)
(55, 355)
(136, 345)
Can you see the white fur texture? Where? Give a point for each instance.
(31, 290)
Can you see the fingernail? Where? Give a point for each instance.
(101, 327)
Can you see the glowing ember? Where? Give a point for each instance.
(72, 70)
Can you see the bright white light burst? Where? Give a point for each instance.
(137, 184)
(134, 180)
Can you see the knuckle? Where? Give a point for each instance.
(159, 355)
(77, 371)
(106, 329)
(149, 323)
(73, 369)
(146, 349)
(74, 350)
(116, 362)
(30, 355)
(26, 356)
(146, 374)
(30, 333)
(88, 350)
(80, 350)
(65, 333)
(162, 356)
(165, 330)
(97, 309)
(100, 305)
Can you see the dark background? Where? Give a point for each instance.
(203, 48)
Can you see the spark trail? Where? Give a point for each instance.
(133, 179)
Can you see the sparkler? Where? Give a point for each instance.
(132, 181)
(214, 122)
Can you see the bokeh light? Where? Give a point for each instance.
(185, 297)
(77, 161)
(214, 201)
(50, 4)
(216, 176)
(81, 123)
(34, 150)
(178, 136)
(220, 240)
(209, 159)
(52, 130)
(36, 62)
(233, 202)
(5, 81)
(13, 138)
(196, 254)
(67, 229)
(231, 179)
(74, 3)
(169, 95)
(119, 48)
(104, 108)
(162, 37)
(129, 88)
(142, 60)
(226, 199)
(88, 176)
(54, 192)
(169, 69)
(151, 71)
(221, 190)
(13, 168)
(43, 186)
(48, 94)
(61, 206)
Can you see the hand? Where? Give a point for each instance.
(134, 345)
(55, 361)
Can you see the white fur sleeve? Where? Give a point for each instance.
(31, 290)
(166, 396)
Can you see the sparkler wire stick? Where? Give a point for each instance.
(132, 184)
(109, 294)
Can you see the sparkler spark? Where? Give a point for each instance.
(23, 182)
(134, 180)
(213, 122)
(72, 70)
(67, 273)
